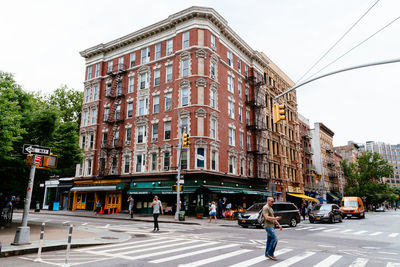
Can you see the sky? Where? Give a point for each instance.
(41, 40)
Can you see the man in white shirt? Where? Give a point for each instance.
(157, 209)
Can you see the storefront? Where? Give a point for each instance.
(50, 194)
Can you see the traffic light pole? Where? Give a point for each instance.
(178, 188)
(338, 71)
(23, 232)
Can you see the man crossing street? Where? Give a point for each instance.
(269, 226)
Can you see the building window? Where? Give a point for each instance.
(185, 40)
(168, 101)
(157, 77)
(85, 118)
(131, 83)
(141, 136)
(232, 164)
(184, 159)
(87, 95)
(214, 160)
(154, 132)
(105, 138)
(143, 103)
(213, 98)
(200, 157)
(231, 137)
(229, 57)
(156, 104)
(240, 89)
(132, 59)
(121, 63)
(231, 87)
(213, 128)
(127, 162)
(89, 166)
(231, 109)
(166, 161)
(158, 51)
(96, 92)
(97, 71)
(89, 73)
(108, 89)
(153, 161)
(213, 46)
(145, 55)
(247, 94)
(248, 142)
(240, 114)
(119, 88)
(128, 136)
(129, 110)
(168, 73)
(239, 65)
(114, 164)
(167, 131)
(246, 71)
(83, 141)
(110, 66)
(185, 68)
(169, 48)
(106, 112)
(185, 125)
(116, 137)
(185, 96)
(118, 112)
(93, 116)
(247, 117)
(80, 169)
(242, 162)
(213, 70)
(140, 162)
(144, 80)
(241, 140)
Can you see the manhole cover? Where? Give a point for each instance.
(109, 237)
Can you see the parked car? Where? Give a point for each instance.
(352, 206)
(325, 213)
(289, 212)
(380, 209)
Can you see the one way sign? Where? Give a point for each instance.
(36, 150)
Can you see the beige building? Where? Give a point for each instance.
(351, 151)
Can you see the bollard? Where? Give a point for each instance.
(66, 264)
(40, 243)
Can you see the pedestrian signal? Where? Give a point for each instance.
(29, 159)
(278, 113)
(185, 140)
(50, 161)
(173, 188)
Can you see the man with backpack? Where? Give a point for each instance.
(269, 225)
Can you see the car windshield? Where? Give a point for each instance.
(349, 203)
(256, 207)
(323, 207)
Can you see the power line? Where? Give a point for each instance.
(323, 56)
(381, 29)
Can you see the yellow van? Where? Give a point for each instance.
(352, 206)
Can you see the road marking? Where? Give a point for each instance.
(303, 228)
(260, 258)
(393, 264)
(156, 246)
(359, 232)
(215, 258)
(330, 230)
(376, 233)
(326, 246)
(359, 262)
(120, 244)
(346, 231)
(316, 229)
(84, 223)
(65, 222)
(389, 253)
(328, 261)
(294, 259)
(393, 234)
(151, 243)
(107, 225)
(193, 253)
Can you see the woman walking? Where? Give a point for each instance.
(213, 211)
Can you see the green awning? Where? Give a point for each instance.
(223, 189)
(165, 190)
(250, 192)
(333, 196)
(140, 191)
(257, 192)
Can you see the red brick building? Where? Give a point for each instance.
(190, 69)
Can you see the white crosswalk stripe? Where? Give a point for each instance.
(376, 233)
(393, 264)
(317, 229)
(359, 232)
(215, 258)
(303, 228)
(260, 258)
(346, 231)
(393, 234)
(294, 259)
(155, 242)
(328, 261)
(359, 262)
(330, 230)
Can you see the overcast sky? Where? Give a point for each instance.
(40, 43)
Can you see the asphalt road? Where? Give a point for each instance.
(374, 241)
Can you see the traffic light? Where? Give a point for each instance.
(173, 188)
(50, 161)
(181, 187)
(317, 176)
(29, 159)
(185, 140)
(279, 113)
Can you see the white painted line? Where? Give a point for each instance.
(107, 225)
(393, 234)
(154, 242)
(346, 231)
(359, 232)
(389, 253)
(376, 233)
(393, 264)
(260, 258)
(50, 263)
(328, 261)
(65, 222)
(215, 258)
(120, 244)
(359, 262)
(331, 230)
(316, 229)
(326, 246)
(156, 245)
(294, 259)
(86, 262)
(193, 253)
(303, 228)
(84, 223)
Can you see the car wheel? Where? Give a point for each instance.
(293, 222)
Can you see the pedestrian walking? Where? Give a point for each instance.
(157, 209)
(213, 211)
(98, 207)
(131, 201)
(220, 206)
(303, 211)
(269, 226)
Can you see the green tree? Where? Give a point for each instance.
(68, 102)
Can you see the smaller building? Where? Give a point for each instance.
(351, 151)
(57, 193)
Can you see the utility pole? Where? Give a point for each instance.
(178, 189)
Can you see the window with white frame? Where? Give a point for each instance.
(93, 116)
(213, 46)
(249, 172)
(239, 65)
(231, 133)
(87, 94)
(166, 160)
(85, 118)
(184, 159)
(229, 57)
(213, 67)
(168, 101)
(184, 96)
(108, 89)
(185, 68)
(127, 163)
(104, 139)
(110, 66)
(213, 128)
(231, 86)
(246, 71)
(106, 113)
(143, 104)
(200, 157)
(156, 104)
(232, 164)
(153, 162)
(145, 55)
(91, 141)
(114, 165)
(214, 160)
(128, 136)
(231, 109)
(121, 63)
(158, 50)
(131, 84)
(144, 80)
(119, 88)
(132, 59)
(97, 70)
(83, 141)
(185, 125)
(240, 114)
(95, 92)
(213, 98)
(154, 132)
(141, 134)
(118, 112)
(248, 142)
(129, 110)
(169, 47)
(89, 73)
(242, 164)
(157, 77)
(140, 162)
(167, 130)
(80, 169)
(116, 137)
(185, 40)
(240, 89)
(247, 94)
(168, 73)
(247, 117)
(89, 166)
(241, 140)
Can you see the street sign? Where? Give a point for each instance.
(37, 150)
(38, 160)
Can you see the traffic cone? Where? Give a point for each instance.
(101, 210)
(116, 211)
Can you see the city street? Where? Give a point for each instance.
(374, 241)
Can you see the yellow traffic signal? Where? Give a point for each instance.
(185, 140)
(29, 159)
(173, 188)
(278, 113)
(181, 187)
(50, 161)
(317, 176)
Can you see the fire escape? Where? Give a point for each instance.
(257, 125)
(113, 143)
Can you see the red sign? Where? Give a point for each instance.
(38, 160)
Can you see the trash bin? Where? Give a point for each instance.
(182, 215)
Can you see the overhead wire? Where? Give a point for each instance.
(340, 39)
